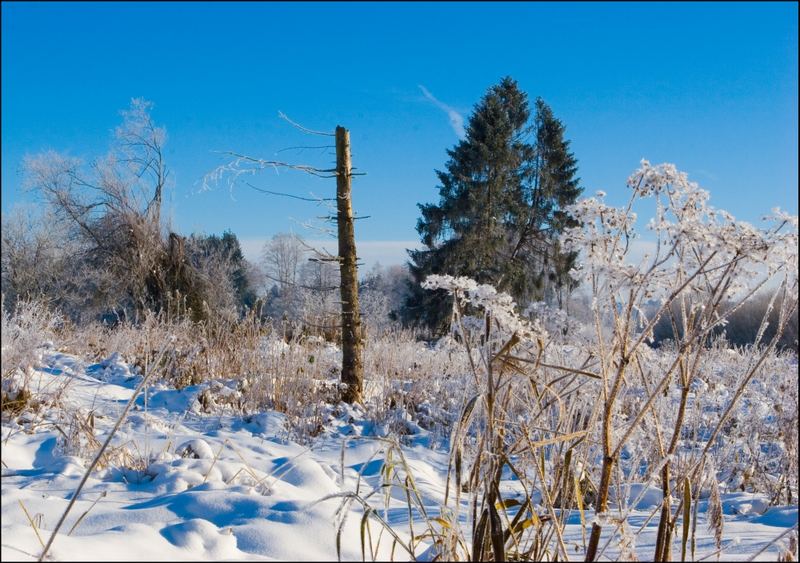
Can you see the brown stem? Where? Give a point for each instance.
(602, 506)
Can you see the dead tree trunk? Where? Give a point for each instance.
(352, 364)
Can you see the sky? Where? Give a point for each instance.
(711, 87)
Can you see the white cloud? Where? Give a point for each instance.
(456, 119)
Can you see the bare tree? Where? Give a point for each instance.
(281, 261)
(318, 302)
(382, 293)
(281, 258)
(113, 207)
(352, 338)
(140, 146)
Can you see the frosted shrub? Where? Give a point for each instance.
(408, 378)
(527, 411)
(580, 419)
(26, 333)
(703, 258)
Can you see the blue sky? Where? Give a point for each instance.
(711, 87)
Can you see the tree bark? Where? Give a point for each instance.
(352, 365)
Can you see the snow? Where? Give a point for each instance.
(197, 449)
(183, 484)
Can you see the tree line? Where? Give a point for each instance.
(106, 251)
(100, 249)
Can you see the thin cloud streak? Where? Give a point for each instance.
(456, 119)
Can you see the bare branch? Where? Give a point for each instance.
(303, 129)
(261, 163)
(315, 199)
(302, 148)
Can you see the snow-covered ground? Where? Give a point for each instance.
(179, 484)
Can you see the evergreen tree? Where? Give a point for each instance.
(226, 251)
(500, 208)
(553, 186)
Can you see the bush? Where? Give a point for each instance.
(26, 332)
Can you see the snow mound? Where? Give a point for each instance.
(195, 449)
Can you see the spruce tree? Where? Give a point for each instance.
(553, 185)
(500, 204)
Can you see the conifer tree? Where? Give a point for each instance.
(499, 213)
(553, 186)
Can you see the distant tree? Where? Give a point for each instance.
(742, 327)
(500, 208)
(282, 258)
(281, 261)
(319, 308)
(382, 292)
(222, 261)
(36, 259)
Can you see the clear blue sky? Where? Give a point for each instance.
(711, 87)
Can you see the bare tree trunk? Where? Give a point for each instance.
(352, 365)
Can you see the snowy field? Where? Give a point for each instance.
(179, 484)
(519, 435)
